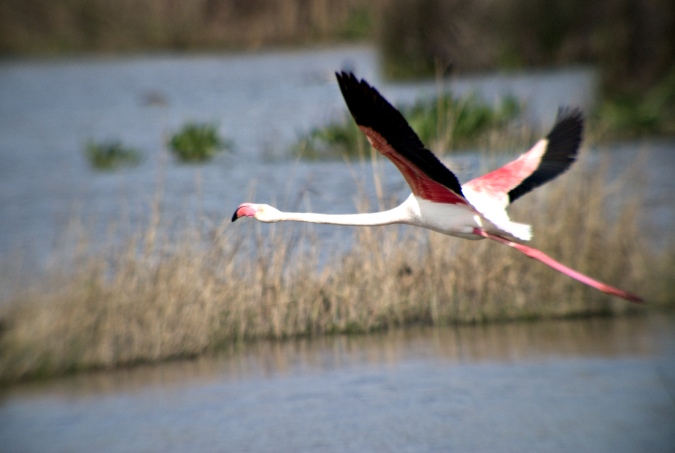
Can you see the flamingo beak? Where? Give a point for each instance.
(244, 210)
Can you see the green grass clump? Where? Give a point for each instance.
(197, 142)
(110, 155)
(468, 119)
(653, 113)
(441, 123)
(335, 139)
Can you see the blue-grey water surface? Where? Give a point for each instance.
(49, 109)
(602, 385)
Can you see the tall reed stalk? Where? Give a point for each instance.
(158, 297)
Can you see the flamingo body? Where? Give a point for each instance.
(475, 210)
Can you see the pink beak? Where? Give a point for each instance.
(244, 210)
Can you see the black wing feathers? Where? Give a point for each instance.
(561, 151)
(370, 109)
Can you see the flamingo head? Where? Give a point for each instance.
(261, 212)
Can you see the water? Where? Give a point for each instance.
(601, 385)
(594, 385)
(50, 108)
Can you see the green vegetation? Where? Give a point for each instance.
(631, 43)
(110, 155)
(441, 123)
(336, 139)
(449, 121)
(160, 297)
(359, 23)
(653, 113)
(197, 142)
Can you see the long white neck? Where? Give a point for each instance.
(399, 214)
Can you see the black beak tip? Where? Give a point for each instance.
(235, 216)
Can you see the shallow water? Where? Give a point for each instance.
(599, 385)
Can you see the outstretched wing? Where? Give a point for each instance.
(548, 158)
(391, 135)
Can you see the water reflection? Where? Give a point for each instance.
(503, 342)
(601, 385)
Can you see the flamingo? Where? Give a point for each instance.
(475, 210)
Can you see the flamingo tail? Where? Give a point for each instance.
(544, 258)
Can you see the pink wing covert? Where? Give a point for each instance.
(548, 158)
(420, 184)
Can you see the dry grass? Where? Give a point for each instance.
(45, 26)
(158, 298)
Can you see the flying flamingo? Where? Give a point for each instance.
(475, 210)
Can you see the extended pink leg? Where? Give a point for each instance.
(544, 258)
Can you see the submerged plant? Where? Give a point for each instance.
(110, 155)
(197, 142)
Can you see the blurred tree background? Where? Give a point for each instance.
(632, 42)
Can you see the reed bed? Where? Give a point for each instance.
(43, 26)
(159, 296)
